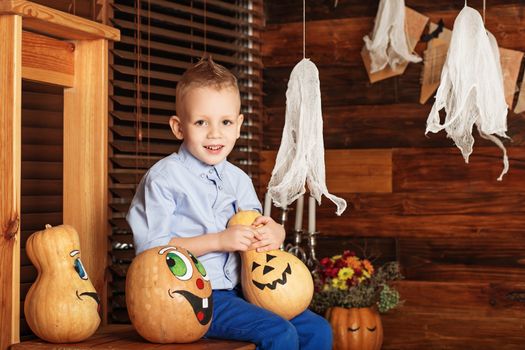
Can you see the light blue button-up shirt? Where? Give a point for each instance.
(182, 197)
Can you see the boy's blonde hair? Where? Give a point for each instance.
(205, 73)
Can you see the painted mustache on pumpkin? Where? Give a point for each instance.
(89, 294)
(202, 307)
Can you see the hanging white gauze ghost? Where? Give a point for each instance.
(389, 43)
(301, 154)
(471, 89)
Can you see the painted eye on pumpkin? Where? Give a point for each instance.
(179, 265)
(79, 268)
(199, 266)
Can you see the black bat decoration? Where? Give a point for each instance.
(427, 37)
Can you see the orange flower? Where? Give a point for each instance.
(368, 266)
(353, 262)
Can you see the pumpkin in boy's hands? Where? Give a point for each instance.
(62, 305)
(275, 280)
(168, 295)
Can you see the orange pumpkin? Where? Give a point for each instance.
(62, 305)
(168, 295)
(276, 280)
(356, 328)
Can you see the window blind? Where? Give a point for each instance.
(160, 39)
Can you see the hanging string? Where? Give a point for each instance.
(205, 31)
(484, 7)
(148, 144)
(191, 32)
(304, 29)
(139, 64)
(138, 96)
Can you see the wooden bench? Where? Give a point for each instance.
(124, 337)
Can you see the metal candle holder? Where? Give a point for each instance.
(284, 217)
(296, 247)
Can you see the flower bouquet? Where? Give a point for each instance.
(351, 282)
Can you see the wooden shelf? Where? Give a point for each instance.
(124, 337)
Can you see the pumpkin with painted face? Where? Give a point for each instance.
(275, 280)
(168, 295)
(62, 305)
(355, 328)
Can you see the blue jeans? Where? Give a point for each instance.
(234, 318)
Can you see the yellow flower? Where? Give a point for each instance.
(345, 273)
(339, 284)
(336, 257)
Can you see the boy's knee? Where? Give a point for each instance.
(280, 335)
(289, 334)
(323, 334)
(317, 334)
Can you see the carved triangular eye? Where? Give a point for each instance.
(255, 265)
(269, 257)
(267, 269)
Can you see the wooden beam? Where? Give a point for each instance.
(347, 171)
(56, 23)
(85, 157)
(10, 165)
(47, 60)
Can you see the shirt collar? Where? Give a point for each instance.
(196, 166)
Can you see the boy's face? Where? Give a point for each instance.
(209, 123)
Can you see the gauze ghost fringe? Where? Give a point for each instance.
(300, 157)
(471, 89)
(389, 43)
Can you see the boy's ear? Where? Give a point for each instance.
(176, 127)
(240, 119)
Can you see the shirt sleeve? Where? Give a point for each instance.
(246, 195)
(150, 213)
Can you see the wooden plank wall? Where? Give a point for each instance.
(457, 232)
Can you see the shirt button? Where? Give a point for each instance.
(202, 175)
(210, 171)
(220, 188)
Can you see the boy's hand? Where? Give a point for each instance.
(238, 238)
(271, 234)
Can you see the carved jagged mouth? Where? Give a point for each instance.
(273, 285)
(202, 307)
(89, 294)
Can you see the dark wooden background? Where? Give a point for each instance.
(457, 232)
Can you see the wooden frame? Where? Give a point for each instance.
(71, 52)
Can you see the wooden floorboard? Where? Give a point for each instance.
(124, 337)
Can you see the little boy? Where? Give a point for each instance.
(187, 198)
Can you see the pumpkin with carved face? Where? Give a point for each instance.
(168, 295)
(62, 305)
(355, 328)
(276, 280)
